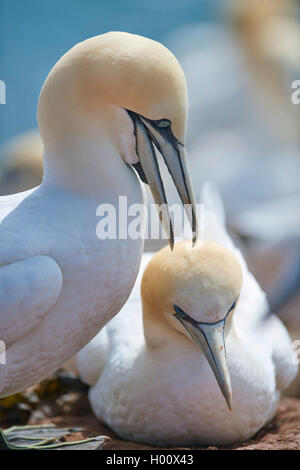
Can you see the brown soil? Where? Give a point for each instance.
(282, 434)
(62, 400)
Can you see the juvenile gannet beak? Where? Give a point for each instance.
(159, 133)
(210, 336)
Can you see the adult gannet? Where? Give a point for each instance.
(159, 379)
(101, 108)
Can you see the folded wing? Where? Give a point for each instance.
(28, 290)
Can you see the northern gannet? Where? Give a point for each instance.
(102, 107)
(158, 378)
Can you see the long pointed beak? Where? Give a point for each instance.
(151, 171)
(174, 155)
(211, 339)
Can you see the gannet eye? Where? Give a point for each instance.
(164, 123)
(180, 312)
(232, 307)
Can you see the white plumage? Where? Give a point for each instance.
(51, 267)
(168, 395)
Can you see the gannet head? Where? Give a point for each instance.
(194, 291)
(134, 90)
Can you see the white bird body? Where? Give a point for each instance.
(51, 269)
(167, 394)
(60, 282)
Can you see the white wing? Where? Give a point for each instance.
(28, 290)
(214, 218)
(125, 330)
(252, 302)
(274, 333)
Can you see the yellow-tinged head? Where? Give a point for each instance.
(115, 69)
(203, 281)
(193, 291)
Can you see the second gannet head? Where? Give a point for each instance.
(193, 292)
(127, 93)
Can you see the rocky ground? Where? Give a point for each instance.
(282, 434)
(63, 401)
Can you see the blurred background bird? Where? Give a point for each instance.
(21, 164)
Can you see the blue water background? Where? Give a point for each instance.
(35, 33)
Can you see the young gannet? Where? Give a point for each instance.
(101, 108)
(160, 379)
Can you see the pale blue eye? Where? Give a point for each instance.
(164, 123)
(179, 312)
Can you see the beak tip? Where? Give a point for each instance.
(228, 398)
(229, 403)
